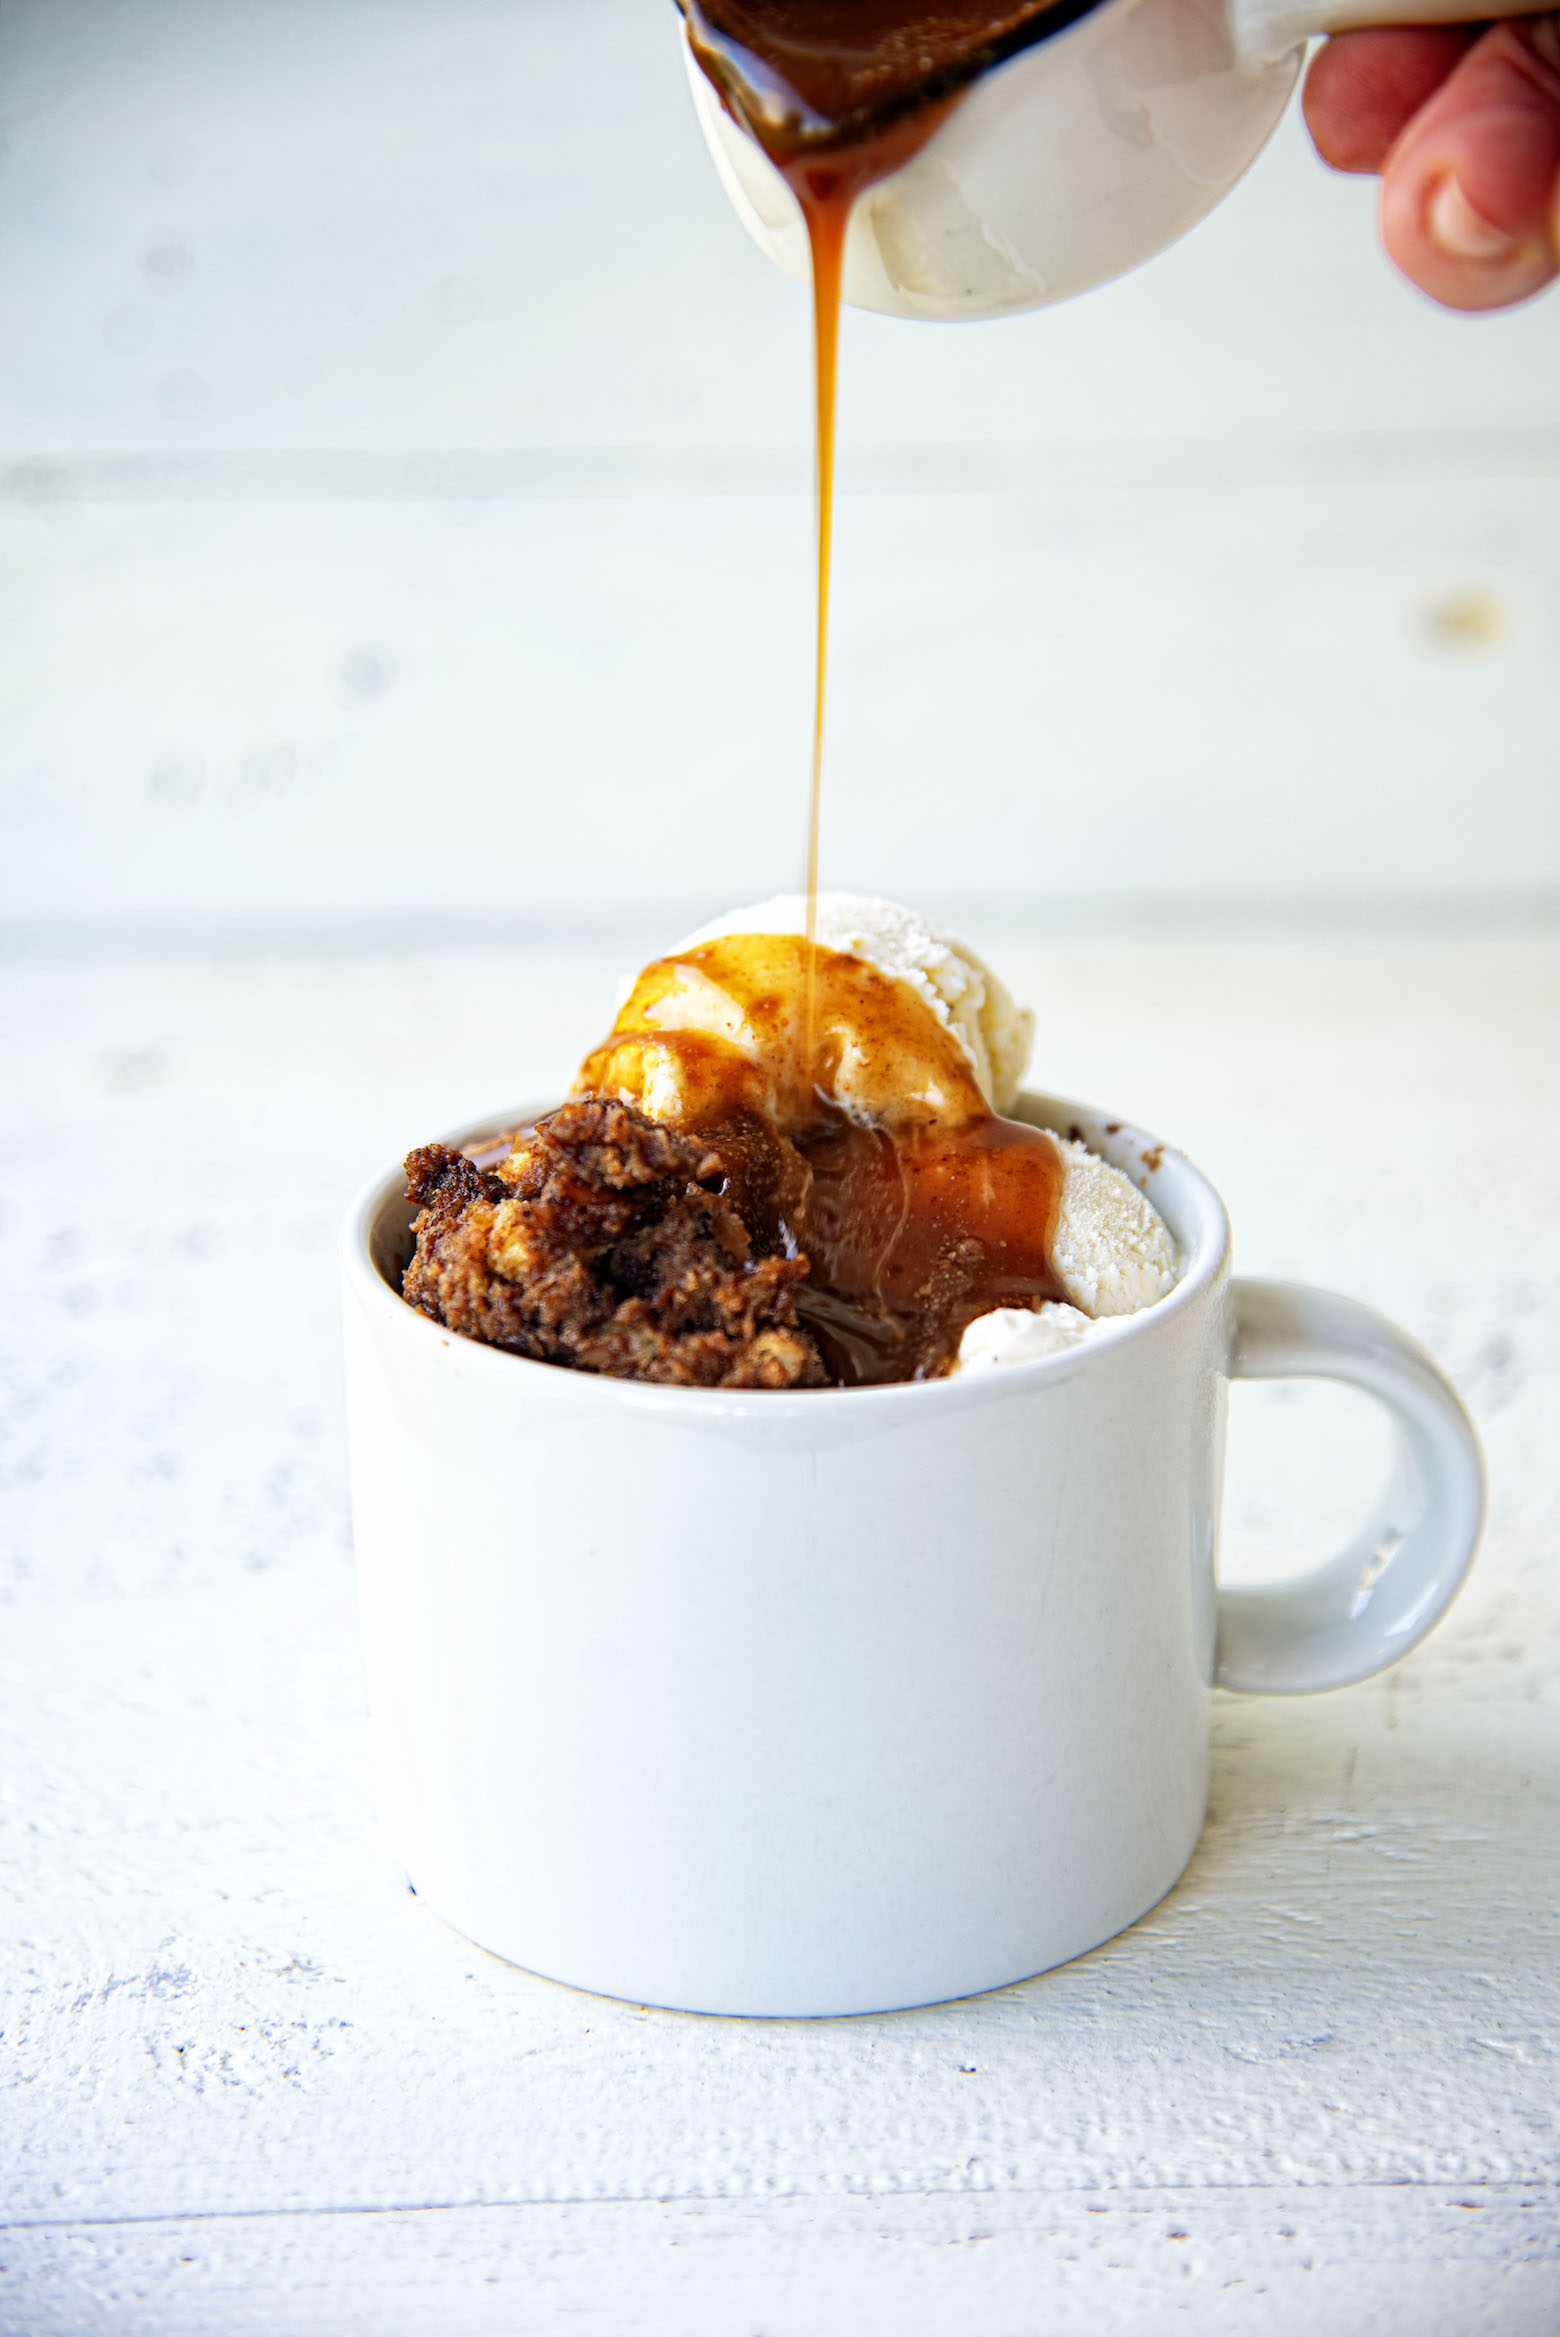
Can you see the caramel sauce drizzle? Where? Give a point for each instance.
(805, 79)
(874, 1150)
(917, 1205)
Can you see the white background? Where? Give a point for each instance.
(405, 512)
(404, 628)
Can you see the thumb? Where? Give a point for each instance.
(1470, 205)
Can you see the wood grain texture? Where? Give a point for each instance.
(390, 394)
(430, 224)
(1211, 687)
(1453, 2262)
(252, 2086)
(389, 398)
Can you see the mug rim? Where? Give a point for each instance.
(1203, 1236)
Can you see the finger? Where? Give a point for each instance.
(1469, 199)
(1364, 88)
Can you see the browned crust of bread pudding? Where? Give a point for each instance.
(607, 1242)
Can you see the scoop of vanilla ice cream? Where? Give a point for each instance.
(1112, 1249)
(1017, 1334)
(1113, 1253)
(960, 988)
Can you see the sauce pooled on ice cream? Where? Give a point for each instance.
(875, 1156)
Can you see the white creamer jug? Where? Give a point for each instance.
(1075, 158)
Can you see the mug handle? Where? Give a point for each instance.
(1378, 1598)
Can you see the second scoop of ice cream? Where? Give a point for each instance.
(1113, 1255)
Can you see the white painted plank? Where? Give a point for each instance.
(1234, 577)
(432, 223)
(1456, 2262)
(214, 710)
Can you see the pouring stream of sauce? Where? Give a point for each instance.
(840, 94)
(872, 1149)
(837, 98)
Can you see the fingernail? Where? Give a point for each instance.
(1460, 231)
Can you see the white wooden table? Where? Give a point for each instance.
(252, 2087)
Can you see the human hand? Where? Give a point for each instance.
(1464, 126)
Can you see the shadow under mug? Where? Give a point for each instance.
(833, 1701)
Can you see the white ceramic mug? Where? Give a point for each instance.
(838, 1701)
